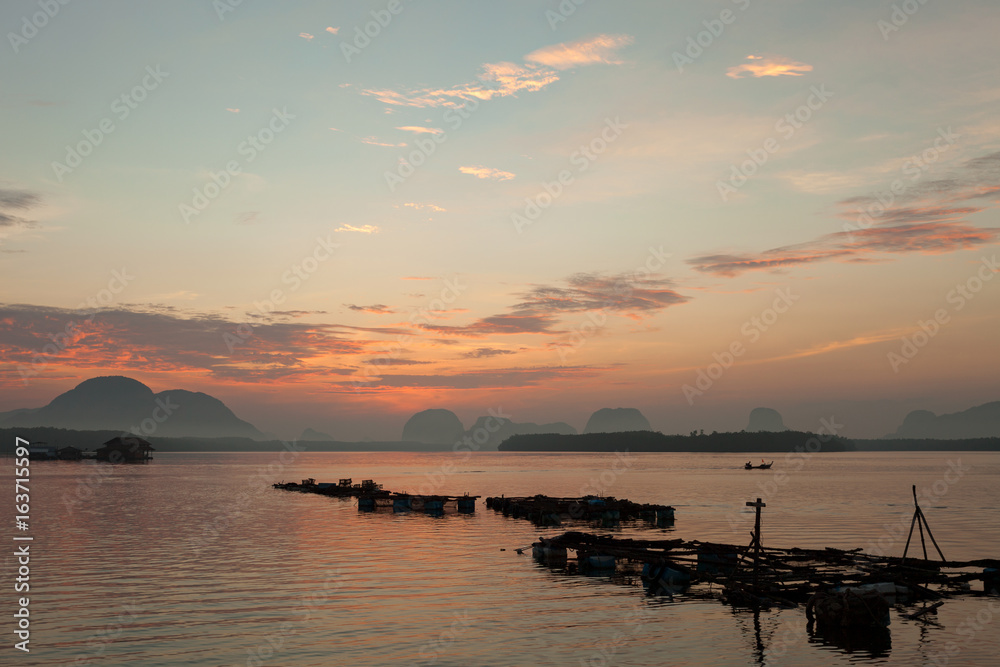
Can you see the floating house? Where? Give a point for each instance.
(69, 453)
(127, 449)
(41, 451)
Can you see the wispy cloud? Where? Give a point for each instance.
(230, 110)
(505, 78)
(483, 352)
(373, 141)
(858, 245)
(419, 129)
(601, 49)
(363, 229)
(540, 307)
(503, 377)
(376, 309)
(332, 30)
(306, 36)
(417, 206)
(487, 173)
(12, 203)
(621, 293)
(759, 66)
(19, 199)
(929, 218)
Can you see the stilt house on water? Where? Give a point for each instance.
(128, 449)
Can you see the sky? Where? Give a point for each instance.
(333, 215)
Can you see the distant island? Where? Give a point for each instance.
(652, 441)
(633, 441)
(742, 441)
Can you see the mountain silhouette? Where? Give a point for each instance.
(121, 403)
(615, 420)
(766, 419)
(982, 421)
(434, 427)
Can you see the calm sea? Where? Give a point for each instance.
(194, 560)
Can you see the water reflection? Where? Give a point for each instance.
(868, 643)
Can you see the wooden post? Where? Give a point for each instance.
(756, 540)
(921, 522)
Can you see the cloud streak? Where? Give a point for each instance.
(505, 79)
(760, 66)
(929, 218)
(539, 308)
(489, 173)
(596, 50)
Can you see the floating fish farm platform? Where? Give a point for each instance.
(842, 589)
(549, 511)
(372, 497)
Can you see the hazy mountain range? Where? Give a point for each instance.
(123, 404)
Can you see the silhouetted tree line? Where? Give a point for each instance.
(651, 441)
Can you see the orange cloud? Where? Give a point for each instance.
(496, 80)
(596, 50)
(363, 229)
(504, 79)
(418, 129)
(770, 66)
(487, 172)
